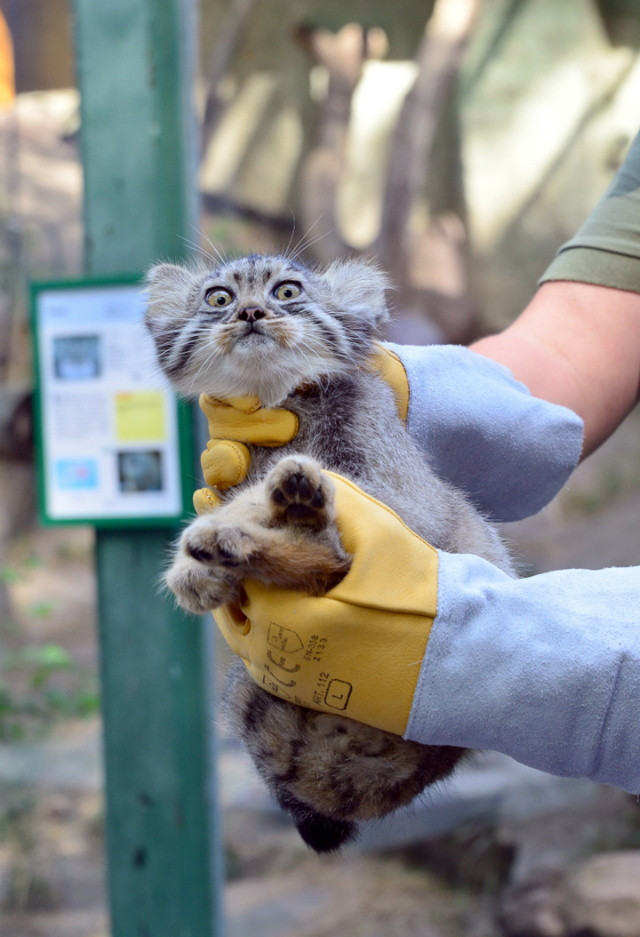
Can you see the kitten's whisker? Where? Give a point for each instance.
(321, 351)
(214, 257)
(301, 352)
(293, 231)
(306, 241)
(288, 253)
(307, 245)
(195, 246)
(205, 365)
(218, 253)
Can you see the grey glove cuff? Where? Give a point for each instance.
(483, 432)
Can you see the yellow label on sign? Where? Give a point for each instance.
(140, 416)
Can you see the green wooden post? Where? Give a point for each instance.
(134, 62)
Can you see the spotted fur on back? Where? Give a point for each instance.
(239, 328)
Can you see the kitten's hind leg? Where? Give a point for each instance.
(281, 531)
(300, 495)
(308, 554)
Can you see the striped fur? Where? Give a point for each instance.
(307, 353)
(325, 330)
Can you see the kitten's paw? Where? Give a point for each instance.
(212, 559)
(300, 494)
(197, 588)
(229, 547)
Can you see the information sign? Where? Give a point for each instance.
(112, 437)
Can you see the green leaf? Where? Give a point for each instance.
(41, 609)
(54, 657)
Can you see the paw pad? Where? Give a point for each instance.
(298, 493)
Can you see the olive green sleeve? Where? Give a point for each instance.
(606, 249)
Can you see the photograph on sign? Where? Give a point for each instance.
(108, 422)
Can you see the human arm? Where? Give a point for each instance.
(577, 345)
(480, 429)
(446, 649)
(545, 669)
(578, 341)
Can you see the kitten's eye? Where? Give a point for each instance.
(218, 297)
(287, 290)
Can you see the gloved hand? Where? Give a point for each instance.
(348, 658)
(232, 424)
(357, 651)
(235, 423)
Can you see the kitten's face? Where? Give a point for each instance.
(262, 325)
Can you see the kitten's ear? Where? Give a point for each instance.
(360, 286)
(168, 288)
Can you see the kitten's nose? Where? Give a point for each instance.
(251, 313)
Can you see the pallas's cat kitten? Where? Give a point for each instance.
(301, 339)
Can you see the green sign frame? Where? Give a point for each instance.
(152, 507)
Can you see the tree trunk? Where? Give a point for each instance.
(17, 503)
(218, 65)
(343, 55)
(439, 58)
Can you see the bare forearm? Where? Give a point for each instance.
(577, 345)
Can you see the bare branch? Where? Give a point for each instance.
(439, 57)
(343, 55)
(219, 62)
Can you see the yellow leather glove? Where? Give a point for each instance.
(232, 424)
(356, 651)
(391, 370)
(242, 420)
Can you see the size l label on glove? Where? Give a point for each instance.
(358, 650)
(290, 670)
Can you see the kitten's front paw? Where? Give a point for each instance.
(196, 587)
(300, 494)
(229, 547)
(212, 559)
